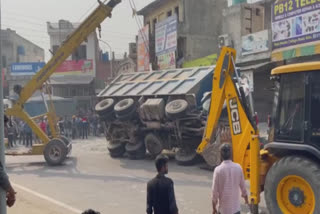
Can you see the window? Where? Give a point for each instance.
(291, 108)
(4, 61)
(258, 12)
(176, 11)
(80, 53)
(55, 49)
(169, 13)
(314, 107)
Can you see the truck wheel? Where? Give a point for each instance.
(176, 108)
(67, 143)
(293, 186)
(186, 157)
(105, 106)
(136, 151)
(153, 144)
(124, 107)
(55, 152)
(116, 149)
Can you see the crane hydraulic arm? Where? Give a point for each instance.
(68, 46)
(244, 133)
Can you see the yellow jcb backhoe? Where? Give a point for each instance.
(288, 168)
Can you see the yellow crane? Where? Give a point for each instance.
(288, 168)
(56, 149)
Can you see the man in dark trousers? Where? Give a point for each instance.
(160, 191)
(4, 180)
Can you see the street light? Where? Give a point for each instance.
(111, 68)
(3, 203)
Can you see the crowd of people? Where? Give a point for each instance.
(75, 127)
(80, 126)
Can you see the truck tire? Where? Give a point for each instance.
(55, 152)
(123, 107)
(293, 186)
(127, 116)
(186, 157)
(116, 149)
(176, 108)
(153, 144)
(136, 151)
(105, 106)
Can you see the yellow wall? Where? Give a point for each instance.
(161, 13)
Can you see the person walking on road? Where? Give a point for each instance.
(228, 179)
(160, 191)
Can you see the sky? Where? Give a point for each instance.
(29, 18)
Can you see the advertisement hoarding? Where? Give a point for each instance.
(255, 43)
(26, 68)
(295, 22)
(167, 60)
(235, 2)
(166, 35)
(204, 61)
(143, 49)
(73, 67)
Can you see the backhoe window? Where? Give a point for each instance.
(291, 108)
(315, 108)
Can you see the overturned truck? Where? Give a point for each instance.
(150, 112)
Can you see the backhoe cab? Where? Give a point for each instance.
(288, 168)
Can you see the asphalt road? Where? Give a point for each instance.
(91, 179)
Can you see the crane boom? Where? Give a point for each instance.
(69, 45)
(75, 39)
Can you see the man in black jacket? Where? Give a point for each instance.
(160, 191)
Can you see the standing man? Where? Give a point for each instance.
(228, 179)
(4, 180)
(28, 133)
(22, 139)
(160, 191)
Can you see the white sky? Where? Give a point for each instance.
(28, 18)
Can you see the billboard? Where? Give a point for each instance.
(255, 43)
(167, 60)
(204, 61)
(166, 35)
(143, 49)
(295, 22)
(26, 68)
(73, 67)
(235, 2)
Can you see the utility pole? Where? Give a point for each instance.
(3, 201)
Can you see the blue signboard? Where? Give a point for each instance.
(26, 68)
(166, 35)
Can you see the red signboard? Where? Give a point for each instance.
(75, 67)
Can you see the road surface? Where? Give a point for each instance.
(91, 179)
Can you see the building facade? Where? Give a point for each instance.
(76, 76)
(197, 29)
(15, 50)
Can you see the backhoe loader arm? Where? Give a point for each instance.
(245, 141)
